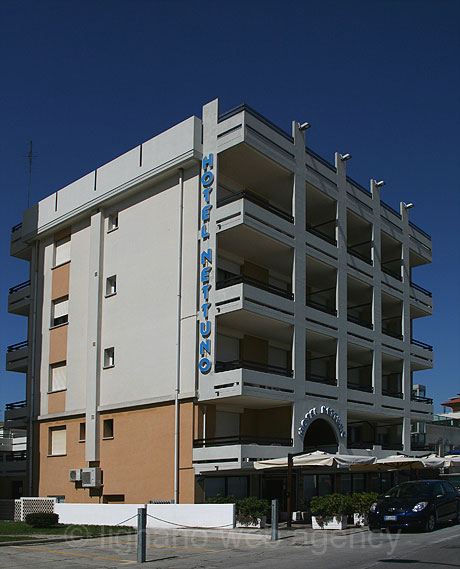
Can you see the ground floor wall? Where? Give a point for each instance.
(136, 457)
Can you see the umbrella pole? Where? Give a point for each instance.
(289, 490)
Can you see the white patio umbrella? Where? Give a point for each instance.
(316, 459)
(398, 462)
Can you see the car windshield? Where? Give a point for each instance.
(409, 490)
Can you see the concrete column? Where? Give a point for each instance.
(94, 349)
(406, 324)
(299, 277)
(377, 292)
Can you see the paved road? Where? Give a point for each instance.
(320, 549)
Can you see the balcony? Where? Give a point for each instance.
(321, 213)
(321, 282)
(17, 356)
(245, 279)
(321, 379)
(6, 442)
(241, 440)
(360, 387)
(257, 200)
(389, 393)
(326, 232)
(13, 464)
(421, 289)
(359, 302)
(359, 368)
(421, 345)
(358, 320)
(254, 366)
(16, 414)
(19, 299)
(359, 237)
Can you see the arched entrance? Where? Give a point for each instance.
(320, 435)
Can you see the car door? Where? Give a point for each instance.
(451, 499)
(439, 499)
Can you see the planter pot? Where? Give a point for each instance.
(360, 520)
(260, 523)
(336, 522)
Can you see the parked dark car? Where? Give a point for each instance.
(418, 504)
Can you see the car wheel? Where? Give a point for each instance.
(430, 523)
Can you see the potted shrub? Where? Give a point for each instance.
(361, 504)
(251, 512)
(330, 512)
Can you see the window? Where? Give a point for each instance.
(62, 251)
(82, 436)
(57, 441)
(59, 499)
(107, 429)
(60, 311)
(111, 286)
(112, 222)
(58, 376)
(109, 357)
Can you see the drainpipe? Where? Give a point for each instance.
(178, 330)
(30, 438)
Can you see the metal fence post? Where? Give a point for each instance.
(141, 534)
(274, 520)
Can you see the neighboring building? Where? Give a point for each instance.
(454, 404)
(13, 446)
(217, 295)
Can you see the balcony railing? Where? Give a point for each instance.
(360, 445)
(421, 345)
(420, 230)
(15, 405)
(16, 456)
(255, 199)
(391, 273)
(19, 287)
(244, 279)
(16, 227)
(321, 379)
(390, 393)
(352, 250)
(421, 398)
(392, 446)
(18, 346)
(421, 289)
(242, 440)
(254, 366)
(321, 234)
(360, 321)
(358, 387)
(391, 333)
(321, 306)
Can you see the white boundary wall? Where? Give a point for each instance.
(170, 516)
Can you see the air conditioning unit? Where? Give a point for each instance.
(75, 475)
(91, 477)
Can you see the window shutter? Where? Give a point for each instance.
(58, 377)
(58, 441)
(61, 308)
(62, 251)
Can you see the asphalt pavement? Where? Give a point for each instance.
(300, 548)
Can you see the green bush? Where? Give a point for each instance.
(251, 508)
(331, 505)
(221, 500)
(362, 501)
(42, 520)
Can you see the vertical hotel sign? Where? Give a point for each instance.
(206, 260)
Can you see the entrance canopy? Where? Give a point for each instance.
(317, 458)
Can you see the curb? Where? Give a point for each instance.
(39, 541)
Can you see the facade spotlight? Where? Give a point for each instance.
(380, 184)
(345, 157)
(408, 205)
(304, 126)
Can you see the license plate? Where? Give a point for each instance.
(389, 518)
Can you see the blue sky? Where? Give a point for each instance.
(88, 80)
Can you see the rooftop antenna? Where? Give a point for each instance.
(30, 156)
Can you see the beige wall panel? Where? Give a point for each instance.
(56, 402)
(58, 344)
(60, 281)
(54, 470)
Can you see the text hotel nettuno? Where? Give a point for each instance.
(207, 180)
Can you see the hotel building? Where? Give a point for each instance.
(217, 295)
